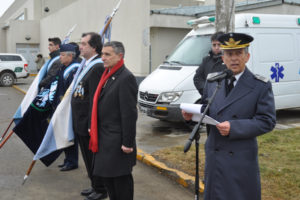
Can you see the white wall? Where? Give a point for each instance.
(17, 32)
(2, 39)
(163, 42)
(130, 26)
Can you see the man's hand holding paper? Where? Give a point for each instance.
(193, 112)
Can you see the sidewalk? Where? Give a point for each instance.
(152, 135)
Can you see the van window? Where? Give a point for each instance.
(281, 50)
(10, 58)
(191, 50)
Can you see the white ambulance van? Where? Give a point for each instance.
(274, 53)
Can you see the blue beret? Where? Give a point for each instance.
(67, 47)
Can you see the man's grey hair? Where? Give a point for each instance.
(118, 47)
(72, 53)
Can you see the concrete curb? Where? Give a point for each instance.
(19, 89)
(180, 177)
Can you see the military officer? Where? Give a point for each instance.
(244, 106)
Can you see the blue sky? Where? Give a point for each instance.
(4, 4)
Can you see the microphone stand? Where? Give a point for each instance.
(195, 135)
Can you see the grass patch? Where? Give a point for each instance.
(279, 159)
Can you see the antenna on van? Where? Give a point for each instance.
(202, 20)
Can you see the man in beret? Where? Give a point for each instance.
(65, 75)
(245, 108)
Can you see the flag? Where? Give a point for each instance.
(67, 38)
(32, 91)
(31, 122)
(106, 30)
(59, 133)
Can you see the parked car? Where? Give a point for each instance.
(12, 67)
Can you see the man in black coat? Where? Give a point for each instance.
(113, 125)
(211, 63)
(54, 63)
(85, 83)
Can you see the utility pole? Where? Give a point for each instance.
(225, 12)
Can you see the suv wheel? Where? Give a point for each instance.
(7, 79)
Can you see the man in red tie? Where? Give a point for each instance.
(113, 126)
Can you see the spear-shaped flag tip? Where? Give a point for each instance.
(24, 180)
(28, 171)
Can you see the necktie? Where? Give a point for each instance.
(230, 85)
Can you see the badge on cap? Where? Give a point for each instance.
(235, 40)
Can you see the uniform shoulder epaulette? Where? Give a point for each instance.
(261, 78)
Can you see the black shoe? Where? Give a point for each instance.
(68, 168)
(96, 196)
(87, 192)
(61, 165)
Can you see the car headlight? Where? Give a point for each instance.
(168, 97)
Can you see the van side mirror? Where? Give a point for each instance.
(166, 57)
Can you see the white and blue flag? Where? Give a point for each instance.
(33, 90)
(60, 132)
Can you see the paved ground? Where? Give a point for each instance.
(50, 183)
(152, 134)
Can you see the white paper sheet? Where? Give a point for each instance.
(195, 109)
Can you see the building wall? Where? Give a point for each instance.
(19, 7)
(53, 6)
(163, 42)
(19, 31)
(2, 39)
(89, 16)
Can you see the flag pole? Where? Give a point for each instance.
(28, 171)
(5, 140)
(1, 138)
(110, 18)
(67, 37)
(10, 134)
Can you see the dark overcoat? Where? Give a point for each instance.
(231, 168)
(81, 105)
(211, 63)
(117, 115)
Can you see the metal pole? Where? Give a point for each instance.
(28, 171)
(5, 140)
(6, 130)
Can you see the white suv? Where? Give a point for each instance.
(12, 67)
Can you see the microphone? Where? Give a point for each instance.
(218, 76)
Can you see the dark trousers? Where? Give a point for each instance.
(119, 188)
(71, 153)
(87, 155)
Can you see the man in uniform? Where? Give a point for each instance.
(86, 81)
(53, 64)
(211, 63)
(245, 108)
(113, 125)
(65, 75)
